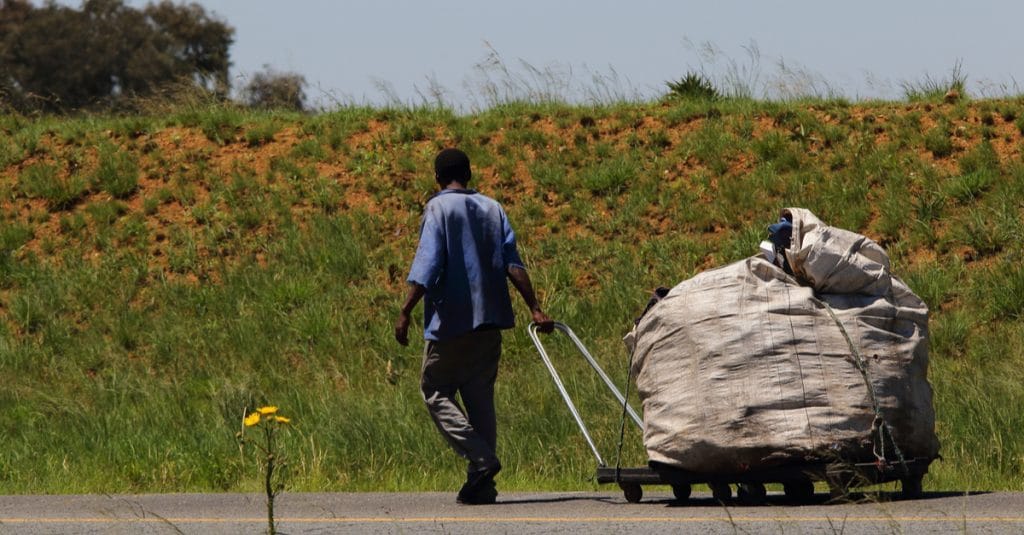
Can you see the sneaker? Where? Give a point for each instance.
(479, 487)
(484, 496)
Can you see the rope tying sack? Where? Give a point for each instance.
(879, 427)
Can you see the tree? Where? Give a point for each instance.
(57, 58)
(272, 89)
(12, 15)
(199, 43)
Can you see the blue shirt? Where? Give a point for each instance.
(466, 247)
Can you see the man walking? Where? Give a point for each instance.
(466, 253)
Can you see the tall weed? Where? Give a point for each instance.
(930, 89)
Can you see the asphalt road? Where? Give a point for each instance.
(518, 513)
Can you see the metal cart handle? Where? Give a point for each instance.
(533, 329)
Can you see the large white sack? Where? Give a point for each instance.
(743, 367)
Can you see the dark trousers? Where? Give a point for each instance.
(467, 365)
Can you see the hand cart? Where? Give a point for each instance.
(797, 479)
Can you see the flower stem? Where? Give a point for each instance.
(270, 474)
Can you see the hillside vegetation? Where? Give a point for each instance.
(160, 274)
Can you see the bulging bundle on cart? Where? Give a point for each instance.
(819, 354)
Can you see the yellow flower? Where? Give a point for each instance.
(252, 419)
(267, 410)
(282, 419)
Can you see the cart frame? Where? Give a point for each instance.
(797, 478)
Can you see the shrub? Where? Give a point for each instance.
(276, 90)
(693, 86)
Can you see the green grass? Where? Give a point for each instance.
(610, 177)
(938, 142)
(251, 267)
(43, 181)
(118, 172)
(967, 187)
(262, 133)
(219, 123)
(9, 152)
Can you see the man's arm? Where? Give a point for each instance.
(427, 266)
(416, 293)
(521, 280)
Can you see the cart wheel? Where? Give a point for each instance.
(751, 493)
(720, 491)
(681, 492)
(632, 491)
(911, 487)
(799, 490)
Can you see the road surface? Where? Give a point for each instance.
(516, 513)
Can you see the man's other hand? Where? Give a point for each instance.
(544, 323)
(416, 292)
(402, 329)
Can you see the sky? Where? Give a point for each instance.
(380, 51)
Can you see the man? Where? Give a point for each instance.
(467, 251)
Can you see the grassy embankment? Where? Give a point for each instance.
(159, 274)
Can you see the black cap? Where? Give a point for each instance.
(452, 164)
